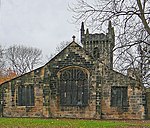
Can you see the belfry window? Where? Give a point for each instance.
(73, 87)
(96, 53)
(119, 97)
(26, 95)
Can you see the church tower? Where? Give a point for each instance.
(99, 45)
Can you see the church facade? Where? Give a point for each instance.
(79, 82)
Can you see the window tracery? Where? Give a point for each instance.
(73, 87)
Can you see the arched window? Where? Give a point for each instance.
(73, 87)
(96, 52)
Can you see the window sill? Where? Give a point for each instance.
(83, 105)
(24, 106)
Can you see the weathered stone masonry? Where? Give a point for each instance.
(79, 82)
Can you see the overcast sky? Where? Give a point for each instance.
(37, 23)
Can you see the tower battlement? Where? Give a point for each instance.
(99, 45)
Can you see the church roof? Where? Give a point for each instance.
(73, 43)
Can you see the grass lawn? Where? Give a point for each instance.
(69, 123)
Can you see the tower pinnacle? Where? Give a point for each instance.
(82, 33)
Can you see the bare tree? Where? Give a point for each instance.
(2, 61)
(23, 59)
(136, 58)
(144, 63)
(131, 19)
(58, 49)
(125, 14)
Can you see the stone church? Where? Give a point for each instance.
(79, 82)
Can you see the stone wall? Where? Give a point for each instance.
(134, 109)
(46, 88)
(47, 95)
(73, 57)
(10, 96)
(148, 102)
